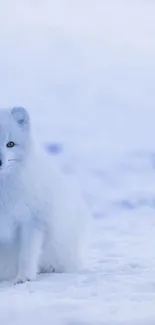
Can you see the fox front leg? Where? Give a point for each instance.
(31, 238)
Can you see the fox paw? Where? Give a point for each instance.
(20, 280)
(46, 269)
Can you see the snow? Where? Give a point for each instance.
(86, 72)
(118, 287)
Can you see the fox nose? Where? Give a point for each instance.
(0, 162)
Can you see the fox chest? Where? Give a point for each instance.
(12, 212)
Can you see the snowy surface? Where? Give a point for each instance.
(86, 72)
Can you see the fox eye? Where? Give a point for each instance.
(10, 144)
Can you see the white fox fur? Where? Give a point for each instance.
(42, 217)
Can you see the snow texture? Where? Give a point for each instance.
(85, 71)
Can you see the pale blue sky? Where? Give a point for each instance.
(86, 66)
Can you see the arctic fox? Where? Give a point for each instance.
(42, 217)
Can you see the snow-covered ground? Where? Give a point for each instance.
(85, 70)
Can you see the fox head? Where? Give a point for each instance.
(14, 138)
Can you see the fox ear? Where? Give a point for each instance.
(21, 116)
